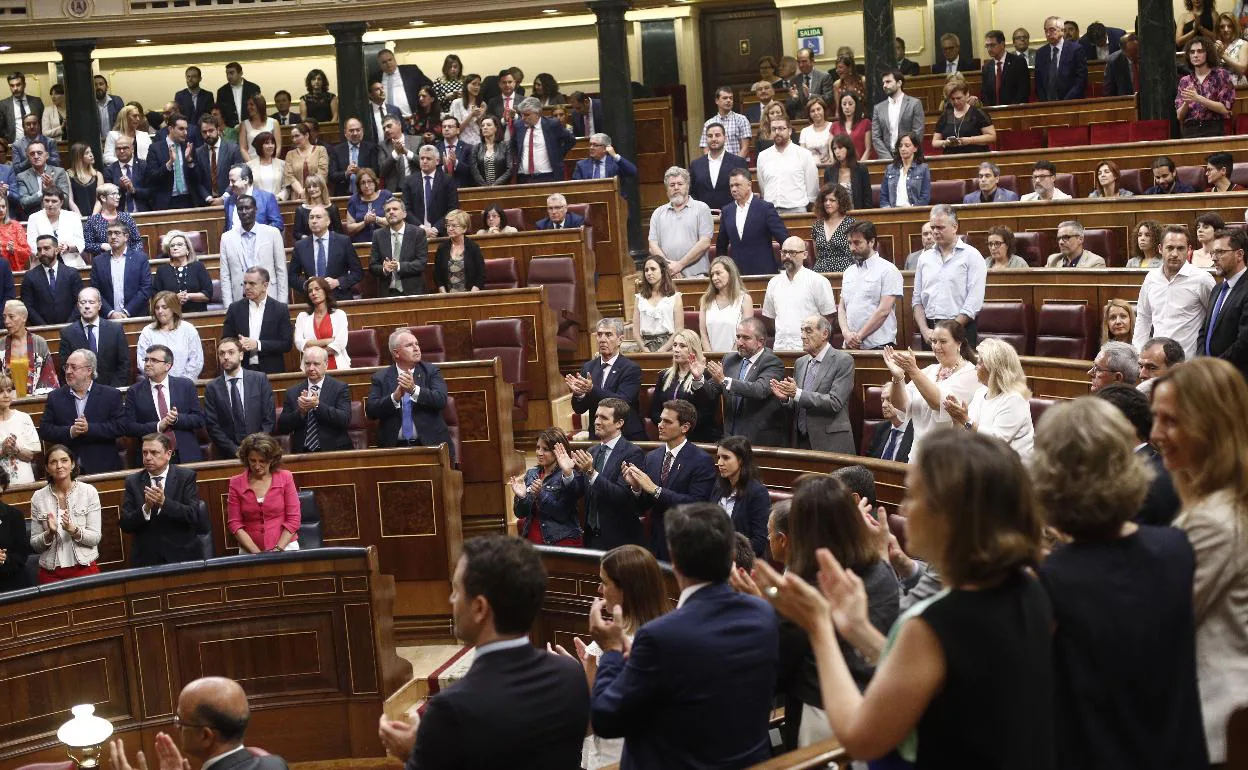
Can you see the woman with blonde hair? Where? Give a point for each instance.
(775, 111)
(184, 274)
(1232, 47)
(686, 379)
(129, 123)
(1198, 426)
(24, 355)
(1000, 406)
(316, 193)
(167, 328)
(1118, 321)
(657, 309)
(725, 303)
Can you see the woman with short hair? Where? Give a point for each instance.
(65, 524)
(494, 221)
(1001, 254)
(262, 504)
(963, 127)
(167, 328)
(1000, 406)
(366, 207)
(184, 274)
(268, 172)
(924, 399)
(25, 356)
(1207, 225)
(107, 210)
(459, 264)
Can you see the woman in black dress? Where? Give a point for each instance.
(963, 127)
(184, 274)
(686, 379)
(319, 103)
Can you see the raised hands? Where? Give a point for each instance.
(784, 389)
(564, 460)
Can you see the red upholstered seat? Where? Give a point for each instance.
(1104, 242)
(897, 526)
(1239, 174)
(514, 217)
(558, 275)
(1067, 136)
(1114, 132)
(1193, 175)
(432, 344)
(929, 149)
(1066, 183)
(1064, 330)
(950, 191)
(581, 209)
(1132, 179)
(1009, 322)
(693, 321)
(872, 417)
(875, 196)
(450, 415)
(503, 338)
(501, 274)
(362, 347)
(357, 428)
(1150, 130)
(1030, 246)
(1020, 139)
(1038, 407)
(1008, 181)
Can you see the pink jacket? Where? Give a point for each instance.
(265, 521)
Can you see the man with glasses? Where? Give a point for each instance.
(317, 411)
(85, 416)
(950, 279)
(603, 162)
(1005, 78)
(128, 173)
(1225, 331)
(818, 392)
(1174, 298)
(1070, 251)
(1044, 183)
(159, 403)
(1061, 66)
(1117, 362)
(990, 191)
(1022, 45)
(796, 294)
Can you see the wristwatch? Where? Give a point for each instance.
(968, 425)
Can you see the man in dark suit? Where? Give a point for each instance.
(232, 97)
(107, 105)
(534, 706)
(317, 411)
(609, 375)
(540, 143)
(1122, 68)
(50, 290)
(430, 193)
(750, 410)
(907, 67)
(610, 512)
(130, 176)
(456, 153)
(92, 433)
(586, 114)
(951, 58)
(1161, 504)
(265, 343)
(378, 110)
(281, 110)
(238, 402)
(131, 298)
(1005, 78)
(158, 403)
(603, 161)
(713, 190)
(506, 105)
(161, 508)
(172, 177)
(1225, 331)
(214, 160)
(402, 83)
(1100, 41)
(819, 391)
(893, 437)
(349, 156)
(106, 339)
(401, 273)
(557, 215)
(17, 107)
(327, 254)
(407, 397)
(193, 101)
(696, 687)
(675, 473)
(1061, 66)
(751, 244)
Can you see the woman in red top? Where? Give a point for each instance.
(13, 244)
(263, 502)
(323, 325)
(851, 119)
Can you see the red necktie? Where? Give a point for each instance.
(532, 167)
(997, 84)
(162, 409)
(450, 160)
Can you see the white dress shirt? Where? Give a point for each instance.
(946, 285)
(395, 93)
(154, 481)
(742, 210)
(894, 117)
(1173, 307)
(789, 302)
(541, 158)
(712, 167)
(237, 92)
(255, 319)
(863, 287)
(788, 178)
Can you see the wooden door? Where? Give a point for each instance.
(733, 40)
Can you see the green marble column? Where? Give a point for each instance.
(352, 74)
(82, 119)
(1159, 80)
(878, 33)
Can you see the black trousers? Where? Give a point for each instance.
(1198, 128)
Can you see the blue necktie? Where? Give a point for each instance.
(737, 400)
(91, 343)
(890, 448)
(428, 195)
(408, 430)
(320, 256)
(52, 280)
(1213, 317)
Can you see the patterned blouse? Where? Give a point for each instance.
(447, 91)
(1218, 85)
(95, 232)
(832, 254)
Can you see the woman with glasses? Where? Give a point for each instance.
(95, 226)
(1001, 254)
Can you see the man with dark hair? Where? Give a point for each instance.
(402, 82)
(50, 287)
(778, 531)
(232, 97)
(859, 480)
(1122, 75)
(241, 181)
(870, 290)
(193, 101)
(907, 67)
(1099, 41)
(1005, 78)
(610, 518)
(696, 687)
(898, 114)
(1044, 183)
(172, 177)
(161, 508)
(281, 110)
(1225, 330)
(123, 275)
(893, 437)
(1166, 179)
(1175, 297)
(746, 376)
(737, 132)
(675, 473)
(532, 705)
(107, 105)
(212, 717)
(1161, 504)
(214, 159)
(988, 179)
(160, 403)
(751, 240)
(1218, 167)
(260, 324)
(708, 174)
(16, 107)
(1158, 356)
(238, 402)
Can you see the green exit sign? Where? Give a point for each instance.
(810, 32)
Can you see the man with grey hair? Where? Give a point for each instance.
(603, 162)
(990, 191)
(609, 375)
(540, 143)
(681, 230)
(105, 338)
(1061, 66)
(949, 280)
(429, 193)
(1070, 251)
(1116, 362)
(819, 391)
(85, 416)
(407, 397)
(557, 215)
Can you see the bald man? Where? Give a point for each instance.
(210, 720)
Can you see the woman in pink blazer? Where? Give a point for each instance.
(263, 502)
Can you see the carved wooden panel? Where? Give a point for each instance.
(407, 509)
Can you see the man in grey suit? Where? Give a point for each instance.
(746, 377)
(39, 177)
(819, 392)
(397, 153)
(252, 244)
(404, 273)
(898, 114)
(17, 107)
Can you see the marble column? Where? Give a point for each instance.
(615, 87)
(1158, 79)
(952, 16)
(82, 118)
(352, 74)
(881, 55)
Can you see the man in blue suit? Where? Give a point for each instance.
(108, 105)
(603, 162)
(106, 339)
(128, 263)
(430, 194)
(695, 689)
(327, 254)
(751, 242)
(456, 153)
(130, 175)
(610, 514)
(171, 174)
(238, 402)
(193, 101)
(540, 144)
(609, 375)
(85, 416)
(158, 403)
(1100, 41)
(990, 189)
(586, 114)
(214, 160)
(1061, 66)
(557, 215)
(714, 192)
(378, 110)
(50, 290)
(267, 210)
(673, 474)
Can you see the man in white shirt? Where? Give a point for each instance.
(794, 295)
(392, 81)
(1044, 183)
(950, 279)
(870, 290)
(1174, 298)
(787, 175)
(251, 244)
(680, 231)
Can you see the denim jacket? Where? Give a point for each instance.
(918, 185)
(557, 504)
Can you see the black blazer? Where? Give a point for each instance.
(170, 535)
(45, 306)
(474, 265)
(15, 542)
(506, 163)
(1230, 333)
(96, 449)
(192, 107)
(880, 439)
(228, 154)
(623, 382)
(430, 426)
(965, 64)
(277, 335)
(859, 184)
(1118, 80)
(333, 416)
(1161, 504)
(700, 188)
(141, 416)
(258, 410)
(340, 159)
(750, 409)
(444, 198)
(159, 179)
(463, 161)
(1015, 81)
(197, 281)
(705, 399)
(413, 256)
(340, 262)
(749, 512)
(612, 499)
(534, 705)
(112, 354)
(225, 100)
(141, 196)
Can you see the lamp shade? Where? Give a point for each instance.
(85, 735)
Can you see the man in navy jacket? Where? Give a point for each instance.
(136, 288)
(714, 192)
(93, 436)
(751, 244)
(603, 162)
(181, 415)
(609, 375)
(1061, 66)
(341, 268)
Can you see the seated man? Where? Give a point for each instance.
(681, 230)
(766, 94)
(819, 391)
(1044, 184)
(317, 411)
(407, 398)
(123, 276)
(39, 178)
(894, 436)
(1166, 179)
(1070, 251)
(1116, 362)
(557, 215)
(238, 402)
(161, 508)
(50, 286)
(928, 240)
(260, 324)
(30, 135)
(85, 416)
(105, 338)
(326, 254)
(794, 295)
(159, 403)
(990, 191)
(399, 254)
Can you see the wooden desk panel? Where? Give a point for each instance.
(929, 89)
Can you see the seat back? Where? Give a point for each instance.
(1063, 330)
(1113, 132)
(1132, 179)
(362, 347)
(1020, 139)
(432, 344)
(503, 338)
(214, 302)
(1029, 246)
(450, 415)
(1066, 183)
(872, 417)
(558, 275)
(66, 765)
(1104, 242)
(693, 321)
(1193, 175)
(1008, 181)
(206, 548)
(1067, 136)
(357, 428)
(1038, 408)
(514, 217)
(1150, 130)
(581, 209)
(1009, 322)
(501, 274)
(950, 191)
(309, 521)
(1239, 174)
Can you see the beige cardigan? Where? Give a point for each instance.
(64, 551)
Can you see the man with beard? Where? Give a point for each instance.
(709, 174)
(796, 294)
(1225, 333)
(680, 232)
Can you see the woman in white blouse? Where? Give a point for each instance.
(268, 172)
(1000, 405)
(468, 109)
(725, 304)
(258, 122)
(129, 122)
(817, 137)
(65, 521)
(323, 325)
(19, 441)
(658, 313)
(923, 399)
(170, 330)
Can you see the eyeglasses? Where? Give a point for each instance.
(1040, 177)
(180, 722)
(1068, 237)
(150, 360)
(1220, 252)
(995, 244)
(792, 253)
(1098, 369)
